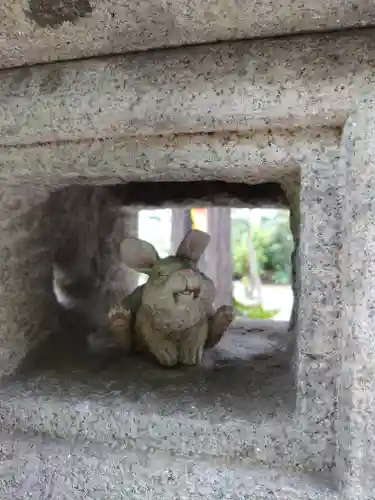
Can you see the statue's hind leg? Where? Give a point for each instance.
(218, 324)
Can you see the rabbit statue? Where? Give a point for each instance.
(171, 316)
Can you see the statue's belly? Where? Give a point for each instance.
(180, 321)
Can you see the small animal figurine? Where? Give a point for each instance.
(171, 316)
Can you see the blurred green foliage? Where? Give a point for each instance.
(254, 311)
(273, 243)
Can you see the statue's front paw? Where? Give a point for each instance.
(119, 325)
(224, 316)
(118, 312)
(167, 354)
(219, 324)
(191, 355)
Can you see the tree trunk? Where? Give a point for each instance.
(131, 224)
(181, 224)
(203, 260)
(255, 284)
(219, 254)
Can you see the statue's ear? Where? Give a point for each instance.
(139, 255)
(193, 245)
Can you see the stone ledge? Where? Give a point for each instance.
(118, 26)
(259, 85)
(251, 158)
(38, 467)
(217, 410)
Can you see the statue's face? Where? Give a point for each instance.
(175, 283)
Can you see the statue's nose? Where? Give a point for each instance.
(190, 275)
(188, 272)
(192, 280)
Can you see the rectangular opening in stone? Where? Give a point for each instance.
(237, 404)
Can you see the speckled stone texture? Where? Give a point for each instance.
(224, 88)
(64, 471)
(319, 307)
(79, 228)
(232, 418)
(88, 227)
(27, 305)
(47, 30)
(251, 112)
(356, 424)
(291, 185)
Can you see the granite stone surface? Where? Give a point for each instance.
(319, 328)
(355, 427)
(71, 392)
(87, 227)
(242, 86)
(27, 305)
(78, 229)
(62, 470)
(235, 413)
(251, 158)
(35, 31)
(252, 112)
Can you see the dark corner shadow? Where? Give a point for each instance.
(215, 192)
